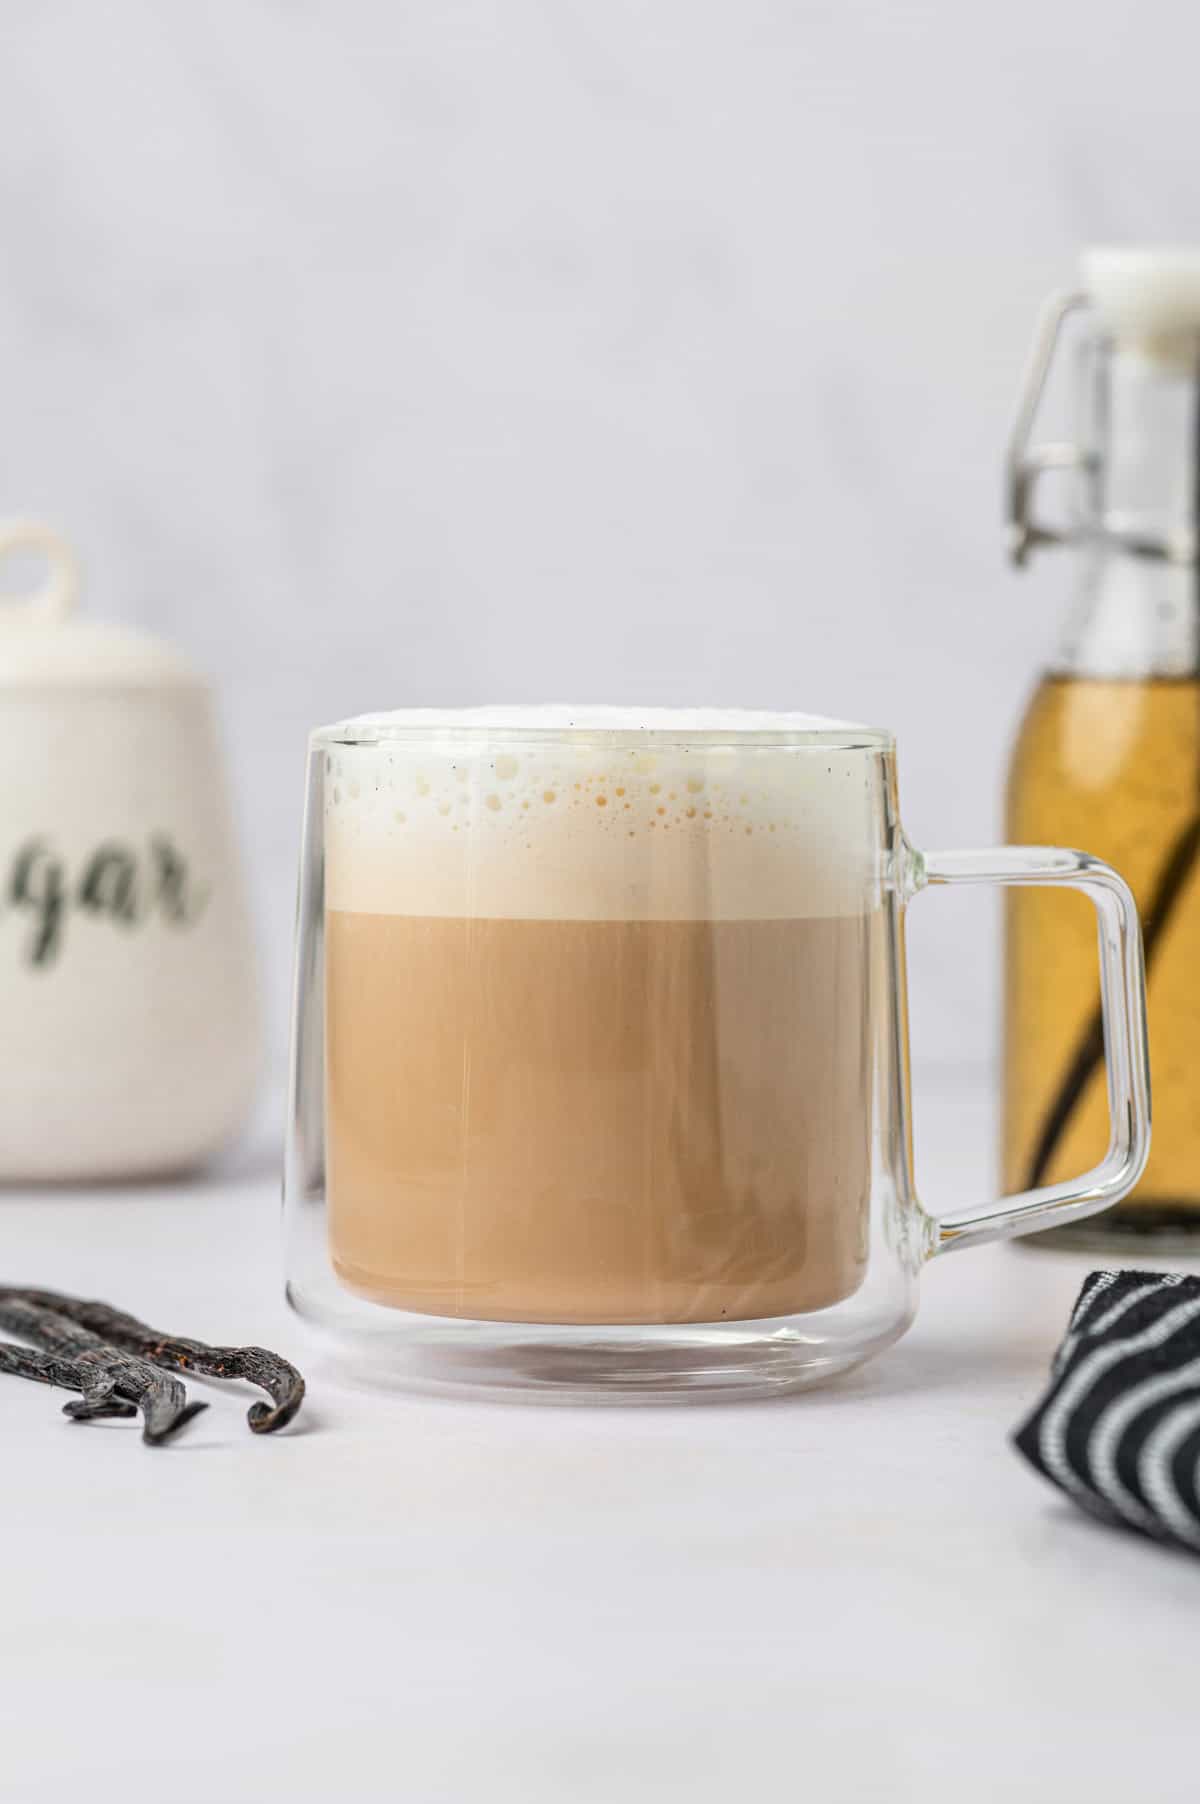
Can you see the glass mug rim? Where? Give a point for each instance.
(413, 726)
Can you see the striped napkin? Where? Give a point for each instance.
(1119, 1427)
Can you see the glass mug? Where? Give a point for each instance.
(599, 1078)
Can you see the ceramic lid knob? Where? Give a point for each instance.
(45, 646)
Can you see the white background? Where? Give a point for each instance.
(385, 353)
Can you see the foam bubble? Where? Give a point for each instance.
(556, 826)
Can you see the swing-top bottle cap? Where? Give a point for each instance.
(1147, 297)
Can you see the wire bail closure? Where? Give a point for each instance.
(1027, 462)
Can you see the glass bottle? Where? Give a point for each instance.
(1108, 752)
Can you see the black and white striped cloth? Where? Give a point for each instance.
(1119, 1428)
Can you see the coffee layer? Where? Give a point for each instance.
(616, 1121)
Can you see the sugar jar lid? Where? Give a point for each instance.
(44, 645)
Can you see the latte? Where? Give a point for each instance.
(599, 1021)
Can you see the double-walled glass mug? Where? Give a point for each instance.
(599, 1081)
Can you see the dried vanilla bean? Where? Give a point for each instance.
(162, 1400)
(99, 1389)
(256, 1365)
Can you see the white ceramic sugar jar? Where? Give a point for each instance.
(129, 1011)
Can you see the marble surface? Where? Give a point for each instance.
(394, 354)
(858, 1594)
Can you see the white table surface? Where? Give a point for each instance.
(857, 1593)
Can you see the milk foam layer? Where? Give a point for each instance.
(544, 826)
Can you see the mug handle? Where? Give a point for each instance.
(1126, 1050)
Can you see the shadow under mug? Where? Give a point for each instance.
(599, 1077)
